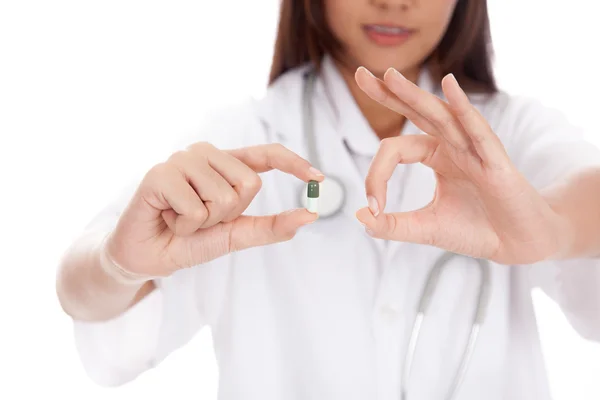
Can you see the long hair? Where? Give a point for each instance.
(465, 50)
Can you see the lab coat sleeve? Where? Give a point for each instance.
(115, 352)
(545, 147)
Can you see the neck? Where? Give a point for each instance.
(384, 122)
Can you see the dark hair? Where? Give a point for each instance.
(465, 50)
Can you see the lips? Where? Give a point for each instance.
(387, 29)
(387, 35)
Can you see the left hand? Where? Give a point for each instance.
(483, 206)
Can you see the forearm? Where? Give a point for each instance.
(85, 288)
(577, 202)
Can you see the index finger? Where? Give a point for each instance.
(429, 106)
(266, 157)
(408, 149)
(378, 91)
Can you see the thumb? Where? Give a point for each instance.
(250, 231)
(417, 226)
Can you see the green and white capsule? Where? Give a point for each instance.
(312, 197)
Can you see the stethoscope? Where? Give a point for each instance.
(331, 201)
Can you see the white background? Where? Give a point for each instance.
(89, 90)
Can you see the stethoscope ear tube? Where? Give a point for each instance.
(333, 191)
(309, 135)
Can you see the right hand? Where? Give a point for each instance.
(188, 210)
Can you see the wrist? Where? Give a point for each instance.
(575, 202)
(566, 237)
(115, 270)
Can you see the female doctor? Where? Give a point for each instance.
(431, 159)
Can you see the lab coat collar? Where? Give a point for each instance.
(349, 121)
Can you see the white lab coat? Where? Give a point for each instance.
(327, 314)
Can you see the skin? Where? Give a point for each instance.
(186, 211)
(346, 20)
(189, 209)
(483, 207)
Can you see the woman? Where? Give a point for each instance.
(325, 310)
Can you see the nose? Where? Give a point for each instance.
(391, 4)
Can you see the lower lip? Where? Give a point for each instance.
(385, 39)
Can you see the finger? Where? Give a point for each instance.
(216, 193)
(378, 91)
(182, 225)
(247, 231)
(485, 142)
(393, 151)
(171, 192)
(242, 179)
(419, 226)
(430, 107)
(263, 158)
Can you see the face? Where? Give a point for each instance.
(379, 34)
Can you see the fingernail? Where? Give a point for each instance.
(453, 78)
(315, 171)
(369, 232)
(461, 91)
(368, 72)
(398, 74)
(315, 216)
(373, 206)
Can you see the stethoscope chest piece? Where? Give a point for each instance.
(331, 197)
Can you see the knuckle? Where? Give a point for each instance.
(199, 214)
(387, 143)
(479, 135)
(179, 229)
(201, 147)
(429, 240)
(183, 160)
(288, 236)
(392, 224)
(446, 122)
(159, 172)
(228, 199)
(178, 157)
(278, 147)
(465, 112)
(252, 183)
(383, 96)
(280, 233)
(370, 179)
(461, 145)
(300, 165)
